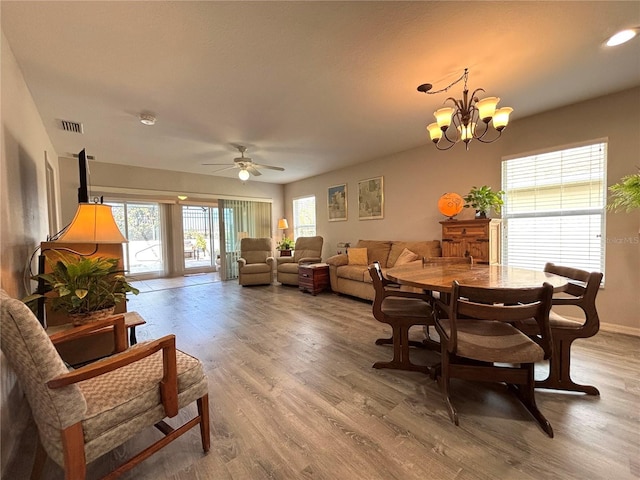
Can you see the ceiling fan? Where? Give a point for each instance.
(245, 164)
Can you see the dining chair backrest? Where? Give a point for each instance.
(506, 305)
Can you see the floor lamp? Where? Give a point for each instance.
(283, 225)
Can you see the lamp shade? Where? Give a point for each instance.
(243, 175)
(283, 224)
(93, 223)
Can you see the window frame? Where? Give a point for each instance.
(308, 229)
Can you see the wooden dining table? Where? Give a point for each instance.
(440, 277)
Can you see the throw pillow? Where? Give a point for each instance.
(357, 256)
(407, 256)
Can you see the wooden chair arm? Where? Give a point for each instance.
(168, 384)
(117, 323)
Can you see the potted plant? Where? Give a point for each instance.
(483, 199)
(625, 195)
(285, 246)
(86, 288)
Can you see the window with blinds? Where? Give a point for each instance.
(304, 217)
(554, 208)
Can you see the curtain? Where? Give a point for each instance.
(240, 219)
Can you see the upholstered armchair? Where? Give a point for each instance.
(306, 250)
(255, 265)
(84, 413)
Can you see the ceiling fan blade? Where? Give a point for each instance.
(253, 171)
(218, 164)
(280, 169)
(226, 167)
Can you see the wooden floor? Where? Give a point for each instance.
(293, 396)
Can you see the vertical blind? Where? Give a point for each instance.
(241, 219)
(554, 208)
(304, 217)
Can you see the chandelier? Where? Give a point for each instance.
(461, 122)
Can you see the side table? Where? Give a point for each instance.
(313, 277)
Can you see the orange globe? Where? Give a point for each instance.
(450, 204)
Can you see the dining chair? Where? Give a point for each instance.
(479, 343)
(468, 260)
(401, 310)
(84, 413)
(580, 292)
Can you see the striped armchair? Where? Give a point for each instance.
(84, 413)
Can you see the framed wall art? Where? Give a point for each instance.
(337, 203)
(371, 199)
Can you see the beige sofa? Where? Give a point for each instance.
(355, 279)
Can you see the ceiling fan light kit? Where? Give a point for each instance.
(465, 116)
(245, 164)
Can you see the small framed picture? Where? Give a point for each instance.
(371, 199)
(337, 203)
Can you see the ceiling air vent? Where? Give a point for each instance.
(74, 127)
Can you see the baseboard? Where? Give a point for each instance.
(613, 328)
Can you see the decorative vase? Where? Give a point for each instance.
(83, 318)
(481, 214)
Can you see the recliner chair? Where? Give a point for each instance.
(306, 250)
(255, 265)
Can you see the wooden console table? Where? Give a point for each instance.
(313, 277)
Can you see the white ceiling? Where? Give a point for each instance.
(309, 86)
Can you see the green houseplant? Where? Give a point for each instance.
(84, 285)
(483, 199)
(285, 244)
(625, 195)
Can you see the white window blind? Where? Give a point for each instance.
(304, 217)
(554, 208)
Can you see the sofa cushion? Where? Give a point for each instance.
(288, 268)
(429, 248)
(358, 273)
(377, 250)
(357, 256)
(407, 256)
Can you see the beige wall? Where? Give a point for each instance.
(23, 219)
(415, 179)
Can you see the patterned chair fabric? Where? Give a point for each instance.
(255, 265)
(111, 407)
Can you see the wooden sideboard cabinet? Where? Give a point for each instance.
(479, 238)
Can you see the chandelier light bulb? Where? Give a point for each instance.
(487, 108)
(434, 132)
(243, 175)
(443, 117)
(467, 131)
(501, 118)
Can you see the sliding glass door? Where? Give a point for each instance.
(141, 223)
(201, 237)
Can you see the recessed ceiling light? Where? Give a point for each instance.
(622, 37)
(182, 197)
(147, 119)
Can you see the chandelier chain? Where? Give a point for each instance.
(464, 77)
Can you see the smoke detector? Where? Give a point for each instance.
(147, 119)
